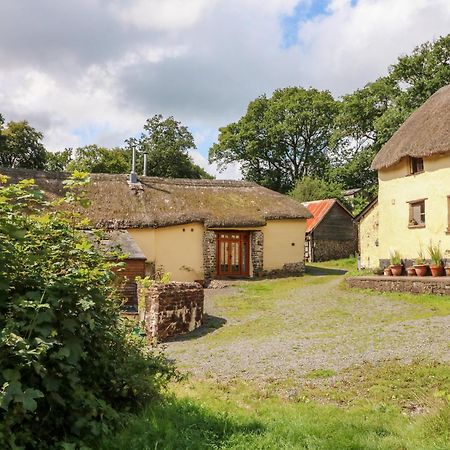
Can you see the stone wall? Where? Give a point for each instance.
(288, 270)
(172, 309)
(257, 252)
(422, 285)
(325, 250)
(209, 255)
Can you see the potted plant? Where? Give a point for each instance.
(420, 267)
(436, 258)
(396, 264)
(411, 271)
(388, 272)
(447, 271)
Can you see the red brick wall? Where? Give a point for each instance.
(132, 269)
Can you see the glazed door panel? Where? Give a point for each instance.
(233, 254)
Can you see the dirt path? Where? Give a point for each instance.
(284, 329)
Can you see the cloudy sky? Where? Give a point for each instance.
(92, 71)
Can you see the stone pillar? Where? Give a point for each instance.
(257, 252)
(209, 254)
(172, 309)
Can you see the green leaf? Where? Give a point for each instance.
(29, 396)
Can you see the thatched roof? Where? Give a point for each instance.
(113, 241)
(426, 132)
(159, 202)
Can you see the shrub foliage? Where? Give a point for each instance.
(68, 362)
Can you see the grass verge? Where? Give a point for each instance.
(236, 415)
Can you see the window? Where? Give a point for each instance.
(416, 165)
(417, 213)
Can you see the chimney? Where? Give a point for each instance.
(133, 176)
(144, 172)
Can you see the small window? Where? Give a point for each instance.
(416, 165)
(417, 214)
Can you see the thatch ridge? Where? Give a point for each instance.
(426, 132)
(158, 202)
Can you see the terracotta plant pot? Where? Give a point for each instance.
(447, 271)
(411, 272)
(396, 269)
(421, 269)
(388, 272)
(436, 271)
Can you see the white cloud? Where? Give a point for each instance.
(93, 71)
(171, 15)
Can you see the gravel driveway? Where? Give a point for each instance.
(284, 329)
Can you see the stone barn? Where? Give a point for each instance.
(330, 233)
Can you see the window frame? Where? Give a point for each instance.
(412, 204)
(413, 165)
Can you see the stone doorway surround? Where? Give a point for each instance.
(210, 253)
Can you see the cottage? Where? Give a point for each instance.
(414, 183)
(195, 229)
(330, 233)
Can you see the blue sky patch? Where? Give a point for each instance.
(303, 12)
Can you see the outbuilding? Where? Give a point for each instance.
(330, 232)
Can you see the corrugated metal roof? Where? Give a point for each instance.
(318, 209)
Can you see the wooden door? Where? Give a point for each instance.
(233, 254)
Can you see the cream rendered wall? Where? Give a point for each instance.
(368, 239)
(279, 235)
(177, 249)
(396, 189)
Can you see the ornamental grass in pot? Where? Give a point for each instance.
(396, 264)
(436, 266)
(420, 267)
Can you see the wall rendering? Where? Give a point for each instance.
(369, 240)
(398, 188)
(176, 249)
(284, 242)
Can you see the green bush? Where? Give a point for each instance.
(69, 364)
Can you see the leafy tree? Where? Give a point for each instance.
(68, 362)
(166, 142)
(95, 159)
(370, 116)
(58, 161)
(309, 188)
(280, 139)
(21, 146)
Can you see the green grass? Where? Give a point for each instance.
(389, 407)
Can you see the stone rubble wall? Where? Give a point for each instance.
(422, 285)
(288, 270)
(209, 255)
(325, 250)
(257, 253)
(172, 309)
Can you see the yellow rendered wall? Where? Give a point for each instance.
(176, 249)
(279, 235)
(368, 239)
(396, 189)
